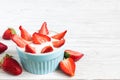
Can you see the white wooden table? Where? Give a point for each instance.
(93, 29)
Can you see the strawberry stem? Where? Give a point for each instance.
(7, 55)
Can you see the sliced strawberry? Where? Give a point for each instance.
(11, 66)
(3, 47)
(40, 38)
(19, 41)
(73, 54)
(8, 33)
(68, 66)
(29, 49)
(44, 29)
(59, 36)
(24, 34)
(59, 43)
(47, 49)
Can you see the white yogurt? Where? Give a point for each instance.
(39, 47)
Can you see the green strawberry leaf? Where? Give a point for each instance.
(66, 55)
(13, 30)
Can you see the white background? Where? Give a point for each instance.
(93, 29)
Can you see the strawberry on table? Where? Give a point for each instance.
(29, 49)
(24, 34)
(68, 66)
(11, 66)
(40, 38)
(75, 55)
(19, 41)
(3, 47)
(59, 36)
(8, 33)
(47, 49)
(58, 43)
(44, 29)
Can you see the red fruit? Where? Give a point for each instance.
(19, 41)
(59, 43)
(44, 29)
(11, 66)
(47, 49)
(68, 66)
(3, 47)
(8, 33)
(73, 54)
(40, 38)
(29, 49)
(59, 36)
(24, 34)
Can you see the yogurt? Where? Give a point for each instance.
(39, 47)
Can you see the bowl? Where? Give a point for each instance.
(41, 63)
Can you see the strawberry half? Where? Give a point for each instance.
(8, 33)
(29, 49)
(44, 29)
(3, 47)
(47, 49)
(68, 66)
(24, 34)
(19, 41)
(59, 43)
(11, 66)
(73, 54)
(40, 38)
(59, 36)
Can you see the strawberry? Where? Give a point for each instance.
(68, 66)
(40, 38)
(59, 36)
(8, 33)
(47, 49)
(24, 34)
(19, 41)
(44, 29)
(3, 47)
(10, 65)
(59, 43)
(73, 54)
(29, 49)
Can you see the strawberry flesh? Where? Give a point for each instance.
(68, 66)
(40, 38)
(75, 55)
(8, 33)
(29, 49)
(11, 66)
(47, 49)
(59, 36)
(58, 43)
(3, 47)
(44, 29)
(24, 34)
(19, 41)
